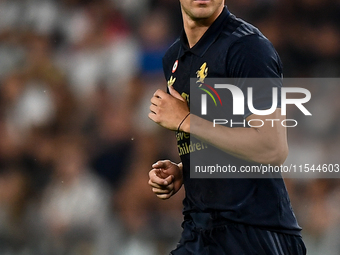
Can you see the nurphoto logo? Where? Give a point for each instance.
(239, 104)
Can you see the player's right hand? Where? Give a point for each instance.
(166, 178)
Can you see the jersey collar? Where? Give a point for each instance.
(207, 39)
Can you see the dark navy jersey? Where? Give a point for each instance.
(231, 48)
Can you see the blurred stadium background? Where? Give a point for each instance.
(76, 145)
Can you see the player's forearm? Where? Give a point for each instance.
(263, 145)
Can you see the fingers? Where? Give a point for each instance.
(162, 187)
(162, 164)
(165, 190)
(155, 100)
(155, 177)
(165, 196)
(161, 191)
(152, 116)
(175, 94)
(169, 179)
(160, 94)
(153, 109)
(159, 186)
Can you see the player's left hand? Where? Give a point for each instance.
(168, 110)
(166, 178)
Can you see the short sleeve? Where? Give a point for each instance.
(253, 62)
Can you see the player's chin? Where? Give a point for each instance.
(202, 12)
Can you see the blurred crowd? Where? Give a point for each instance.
(76, 145)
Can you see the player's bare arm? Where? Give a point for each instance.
(166, 178)
(265, 145)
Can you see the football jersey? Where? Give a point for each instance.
(235, 49)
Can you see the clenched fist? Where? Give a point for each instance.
(166, 178)
(169, 110)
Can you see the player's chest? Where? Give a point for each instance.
(191, 69)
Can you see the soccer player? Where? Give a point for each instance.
(224, 216)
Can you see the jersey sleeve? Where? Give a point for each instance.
(253, 62)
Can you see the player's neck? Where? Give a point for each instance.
(195, 29)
